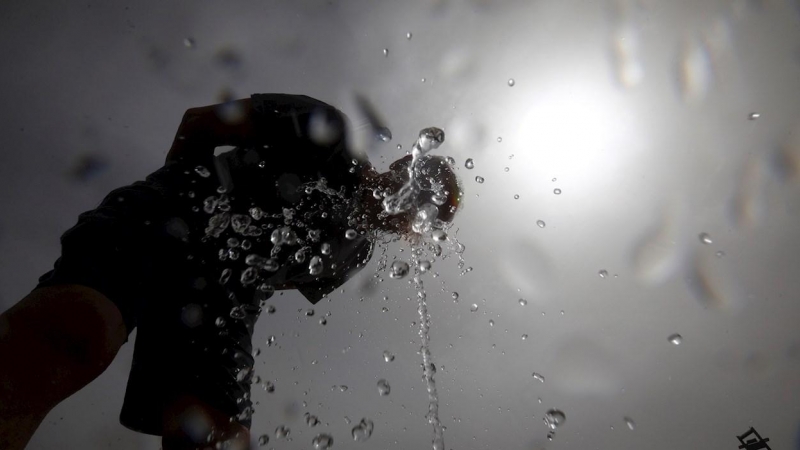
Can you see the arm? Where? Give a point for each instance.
(52, 343)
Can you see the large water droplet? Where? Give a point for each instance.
(322, 441)
(523, 302)
(315, 266)
(220, 322)
(388, 356)
(603, 273)
(325, 248)
(557, 191)
(540, 223)
(263, 440)
(409, 35)
(511, 82)
(675, 339)
(538, 377)
(383, 387)
(479, 179)
(474, 307)
(383, 134)
(705, 238)
(350, 234)
(469, 163)
(363, 430)
(399, 269)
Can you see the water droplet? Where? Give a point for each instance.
(474, 307)
(553, 419)
(753, 115)
(350, 234)
(269, 386)
(603, 273)
(325, 248)
(511, 82)
(309, 312)
(386, 52)
(323, 321)
(424, 266)
(343, 388)
(409, 35)
(540, 223)
(383, 134)
(455, 296)
(479, 179)
(225, 276)
(557, 191)
(491, 322)
(237, 312)
(399, 269)
(516, 196)
(523, 302)
(439, 235)
(538, 377)
(675, 339)
(383, 387)
(271, 340)
(630, 423)
(315, 266)
(322, 441)
(388, 356)
(363, 430)
(282, 432)
(469, 163)
(719, 254)
(188, 42)
(705, 238)
(220, 322)
(263, 440)
(499, 139)
(524, 337)
(271, 309)
(202, 171)
(311, 420)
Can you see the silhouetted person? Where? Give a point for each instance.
(190, 257)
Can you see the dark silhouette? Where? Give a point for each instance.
(190, 257)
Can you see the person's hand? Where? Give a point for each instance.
(205, 128)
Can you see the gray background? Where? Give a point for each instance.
(638, 108)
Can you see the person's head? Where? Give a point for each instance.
(437, 191)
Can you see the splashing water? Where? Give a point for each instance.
(405, 198)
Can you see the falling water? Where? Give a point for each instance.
(427, 363)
